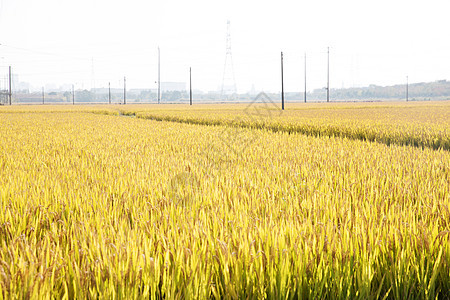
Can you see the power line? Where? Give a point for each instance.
(43, 52)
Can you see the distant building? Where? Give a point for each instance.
(65, 87)
(253, 90)
(51, 87)
(23, 86)
(105, 91)
(173, 86)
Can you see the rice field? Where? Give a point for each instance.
(339, 201)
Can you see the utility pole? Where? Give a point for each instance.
(109, 92)
(43, 95)
(159, 76)
(124, 90)
(282, 83)
(10, 86)
(328, 76)
(305, 77)
(94, 94)
(407, 87)
(190, 86)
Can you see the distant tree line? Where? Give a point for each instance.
(417, 91)
(437, 89)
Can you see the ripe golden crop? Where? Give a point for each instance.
(94, 204)
(417, 124)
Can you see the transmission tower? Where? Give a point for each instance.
(229, 89)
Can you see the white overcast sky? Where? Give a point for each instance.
(93, 42)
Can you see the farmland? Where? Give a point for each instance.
(225, 201)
